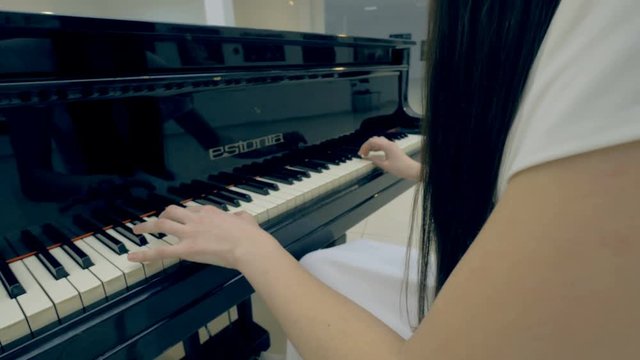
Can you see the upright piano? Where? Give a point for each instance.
(103, 123)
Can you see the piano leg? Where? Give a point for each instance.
(339, 241)
(243, 339)
(245, 313)
(192, 346)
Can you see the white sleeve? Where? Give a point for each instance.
(583, 92)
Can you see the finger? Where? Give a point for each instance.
(176, 213)
(211, 210)
(160, 226)
(155, 254)
(194, 209)
(244, 215)
(374, 144)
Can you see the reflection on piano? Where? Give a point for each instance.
(104, 123)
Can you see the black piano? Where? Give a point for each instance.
(103, 123)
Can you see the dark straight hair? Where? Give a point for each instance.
(480, 55)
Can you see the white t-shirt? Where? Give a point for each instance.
(583, 91)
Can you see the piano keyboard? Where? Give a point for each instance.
(48, 279)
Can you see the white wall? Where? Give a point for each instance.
(219, 12)
(179, 11)
(293, 15)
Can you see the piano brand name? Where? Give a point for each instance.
(245, 146)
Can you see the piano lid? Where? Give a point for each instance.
(53, 47)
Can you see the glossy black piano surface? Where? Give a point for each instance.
(104, 121)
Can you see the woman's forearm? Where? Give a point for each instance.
(321, 323)
(413, 171)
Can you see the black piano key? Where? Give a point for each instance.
(57, 235)
(42, 253)
(110, 219)
(127, 232)
(299, 172)
(264, 184)
(311, 164)
(249, 181)
(253, 189)
(91, 227)
(79, 256)
(220, 204)
(219, 190)
(347, 154)
(303, 166)
(224, 199)
(342, 158)
(205, 202)
(202, 191)
(112, 243)
(286, 174)
(156, 235)
(322, 164)
(277, 178)
(217, 186)
(7, 277)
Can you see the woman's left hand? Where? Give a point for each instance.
(207, 235)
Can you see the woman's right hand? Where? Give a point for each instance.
(395, 161)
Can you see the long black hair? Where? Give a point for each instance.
(480, 55)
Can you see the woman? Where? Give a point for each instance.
(532, 166)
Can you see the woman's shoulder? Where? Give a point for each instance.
(583, 92)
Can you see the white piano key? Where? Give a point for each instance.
(296, 197)
(288, 200)
(65, 297)
(257, 209)
(168, 240)
(150, 268)
(35, 304)
(274, 206)
(13, 323)
(83, 280)
(133, 272)
(301, 195)
(112, 279)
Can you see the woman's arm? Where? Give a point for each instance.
(551, 275)
(554, 272)
(321, 323)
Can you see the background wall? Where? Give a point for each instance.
(293, 15)
(213, 12)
